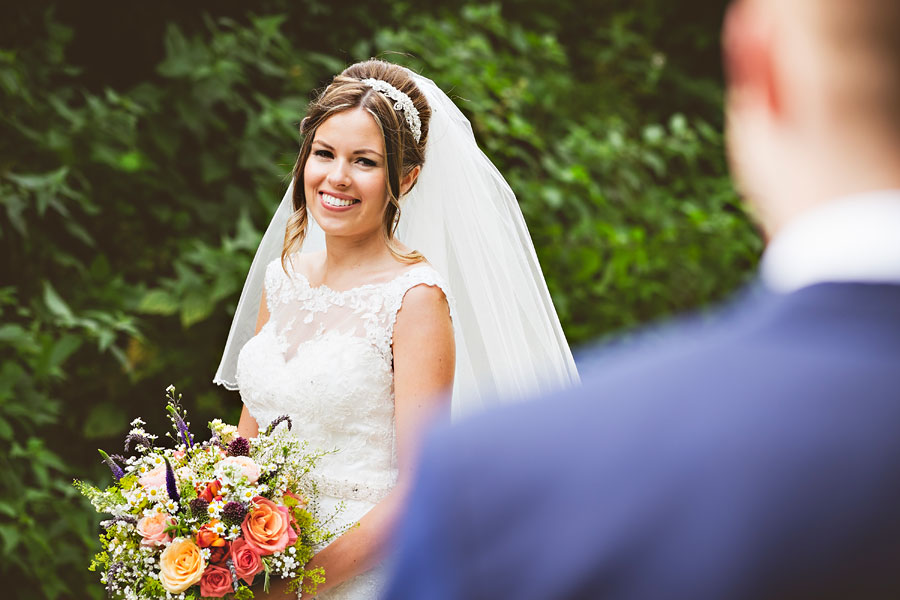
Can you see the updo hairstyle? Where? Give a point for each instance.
(402, 152)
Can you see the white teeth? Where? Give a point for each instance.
(332, 201)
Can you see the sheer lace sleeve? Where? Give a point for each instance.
(423, 275)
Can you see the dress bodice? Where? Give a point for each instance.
(325, 359)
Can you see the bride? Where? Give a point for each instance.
(373, 321)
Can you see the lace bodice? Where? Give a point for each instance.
(325, 359)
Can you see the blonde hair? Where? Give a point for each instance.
(402, 152)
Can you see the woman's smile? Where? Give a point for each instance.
(337, 202)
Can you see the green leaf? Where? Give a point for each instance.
(6, 430)
(56, 304)
(158, 302)
(131, 161)
(40, 181)
(62, 350)
(10, 535)
(196, 307)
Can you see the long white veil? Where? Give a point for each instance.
(464, 218)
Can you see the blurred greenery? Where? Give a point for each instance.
(143, 148)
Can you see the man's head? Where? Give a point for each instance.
(813, 101)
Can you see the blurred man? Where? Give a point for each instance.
(757, 457)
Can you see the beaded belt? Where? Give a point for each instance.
(345, 489)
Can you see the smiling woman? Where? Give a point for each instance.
(383, 144)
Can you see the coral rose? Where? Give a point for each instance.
(247, 562)
(267, 527)
(153, 529)
(155, 478)
(216, 582)
(181, 565)
(248, 467)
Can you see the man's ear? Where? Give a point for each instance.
(748, 54)
(409, 179)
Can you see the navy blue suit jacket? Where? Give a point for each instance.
(754, 456)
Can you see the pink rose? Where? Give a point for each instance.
(155, 478)
(267, 527)
(153, 529)
(216, 582)
(247, 562)
(249, 468)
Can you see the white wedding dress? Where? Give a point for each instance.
(325, 359)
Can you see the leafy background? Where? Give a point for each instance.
(143, 147)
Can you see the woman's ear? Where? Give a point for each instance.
(409, 179)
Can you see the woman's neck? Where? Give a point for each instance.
(344, 255)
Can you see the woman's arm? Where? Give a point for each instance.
(247, 425)
(424, 363)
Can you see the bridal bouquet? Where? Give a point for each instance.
(206, 519)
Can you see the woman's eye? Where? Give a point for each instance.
(322, 153)
(367, 162)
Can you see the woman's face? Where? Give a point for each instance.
(345, 176)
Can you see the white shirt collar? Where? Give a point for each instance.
(854, 239)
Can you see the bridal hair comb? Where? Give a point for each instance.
(402, 102)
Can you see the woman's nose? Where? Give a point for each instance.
(338, 175)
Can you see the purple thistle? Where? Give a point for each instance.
(239, 447)
(278, 421)
(199, 507)
(171, 487)
(117, 471)
(233, 513)
(186, 436)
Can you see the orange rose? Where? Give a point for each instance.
(267, 527)
(180, 566)
(207, 538)
(211, 490)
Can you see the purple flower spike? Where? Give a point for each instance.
(171, 487)
(277, 422)
(136, 440)
(186, 436)
(117, 471)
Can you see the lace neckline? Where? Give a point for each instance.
(328, 291)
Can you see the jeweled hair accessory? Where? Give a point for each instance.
(402, 102)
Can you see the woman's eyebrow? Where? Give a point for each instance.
(328, 146)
